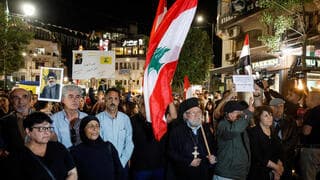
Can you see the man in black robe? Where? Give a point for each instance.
(188, 155)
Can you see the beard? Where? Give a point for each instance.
(52, 84)
(194, 123)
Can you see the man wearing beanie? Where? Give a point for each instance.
(188, 154)
(233, 155)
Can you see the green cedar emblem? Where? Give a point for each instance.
(155, 60)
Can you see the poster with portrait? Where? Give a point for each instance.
(87, 64)
(51, 80)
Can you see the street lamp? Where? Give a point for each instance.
(200, 20)
(28, 9)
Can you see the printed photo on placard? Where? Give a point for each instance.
(51, 84)
(78, 58)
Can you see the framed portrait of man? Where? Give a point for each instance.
(78, 58)
(50, 84)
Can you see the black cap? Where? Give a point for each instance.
(52, 74)
(231, 106)
(187, 104)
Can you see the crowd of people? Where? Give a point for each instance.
(105, 135)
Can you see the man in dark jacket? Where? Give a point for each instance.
(11, 129)
(285, 128)
(12, 134)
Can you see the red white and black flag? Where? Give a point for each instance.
(244, 66)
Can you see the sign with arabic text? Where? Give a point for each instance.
(92, 63)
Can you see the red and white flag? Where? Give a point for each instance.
(161, 11)
(162, 59)
(244, 66)
(187, 90)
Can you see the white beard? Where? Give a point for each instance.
(52, 84)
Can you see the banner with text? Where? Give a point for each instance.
(91, 63)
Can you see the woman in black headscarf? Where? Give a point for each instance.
(94, 158)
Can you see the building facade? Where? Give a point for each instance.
(38, 53)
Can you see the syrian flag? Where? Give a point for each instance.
(187, 90)
(162, 59)
(244, 66)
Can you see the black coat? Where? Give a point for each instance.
(23, 164)
(263, 149)
(97, 161)
(181, 144)
(10, 135)
(148, 153)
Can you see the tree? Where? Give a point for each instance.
(195, 59)
(283, 16)
(15, 35)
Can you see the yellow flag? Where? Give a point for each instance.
(105, 60)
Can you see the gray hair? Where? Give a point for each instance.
(71, 87)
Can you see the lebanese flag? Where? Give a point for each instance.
(161, 11)
(187, 90)
(162, 59)
(245, 60)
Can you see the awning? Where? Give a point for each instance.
(223, 70)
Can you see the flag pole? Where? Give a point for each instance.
(205, 140)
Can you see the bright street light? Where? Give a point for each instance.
(199, 19)
(202, 21)
(28, 9)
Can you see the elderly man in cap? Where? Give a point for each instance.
(52, 89)
(191, 144)
(286, 130)
(233, 155)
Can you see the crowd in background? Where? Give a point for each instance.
(105, 135)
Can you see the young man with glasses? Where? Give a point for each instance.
(40, 158)
(66, 122)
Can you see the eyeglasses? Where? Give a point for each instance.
(43, 129)
(92, 127)
(193, 113)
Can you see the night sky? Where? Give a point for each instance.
(88, 15)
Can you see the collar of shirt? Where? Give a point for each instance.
(111, 117)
